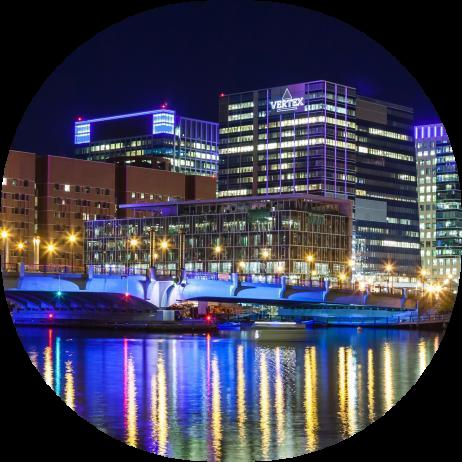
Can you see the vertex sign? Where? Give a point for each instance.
(285, 99)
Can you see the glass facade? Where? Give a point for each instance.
(448, 213)
(295, 138)
(272, 234)
(386, 210)
(322, 138)
(190, 145)
(439, 203)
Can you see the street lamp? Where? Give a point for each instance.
(389, 267)
(50, 250)
(20, 247)
(265, 255)
(72, 240)
(218, 249)
(164, 244)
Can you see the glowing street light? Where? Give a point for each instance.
(389, 268)
(72, 240)
(164, 244)
(133, 242)
(341, 277)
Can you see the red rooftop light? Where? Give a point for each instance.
(79, 118)
(222, 94)
(50, 316)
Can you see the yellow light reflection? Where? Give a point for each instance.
(422, 356)
(342, 390)
(279, 398)
(159, 409)
(436, 343)
(48, 366)
(311, 400)
(130, 406)
(264, 406)
(370, 384)
(216, 411)
(69, 387)
(352, 397)
(388, 377)
(241, 409)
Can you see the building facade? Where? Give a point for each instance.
(386, 221)
(158, 138)
(252, 235)
(46, 199)
(323, 138)
(426, 138)
(448, 214)
(18, 206)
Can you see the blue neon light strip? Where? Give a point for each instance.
(429, 131)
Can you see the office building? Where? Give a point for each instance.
(252, 235)
(386, 221)
(323, 138)
(448, 214)
(158, 138)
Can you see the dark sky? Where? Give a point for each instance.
(187, 54)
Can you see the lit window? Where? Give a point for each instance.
(67, 187)
(4, 181)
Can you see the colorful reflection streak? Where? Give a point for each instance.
(230, 397)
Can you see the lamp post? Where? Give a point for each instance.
(164, 247)
(389, 270)
(218, 249)
(6, 251)
(423, 274)
(72, 240)
(152, 246)
(50, 250)
(20, 247)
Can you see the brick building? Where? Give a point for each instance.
(48, 198)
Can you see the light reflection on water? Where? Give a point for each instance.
(229, 396)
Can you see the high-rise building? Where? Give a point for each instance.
(439, 202)
(448, 214)
(158, 138)
(322, 138)
(386, 211)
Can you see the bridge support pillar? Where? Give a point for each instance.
(21, 269)
(235, 284)
(202, 307)
(403, 296)
(90, 272)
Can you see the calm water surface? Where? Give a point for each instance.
(230, 396)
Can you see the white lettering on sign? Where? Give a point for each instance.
(287, 103)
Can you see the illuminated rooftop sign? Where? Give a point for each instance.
(287, 99)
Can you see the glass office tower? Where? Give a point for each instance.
(158, 138)
(426, 137)
(322, 138)
(448, 214)
(386, 210)
(294, 138)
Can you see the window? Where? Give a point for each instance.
(4, 181)
(56, 186)
(67, 188)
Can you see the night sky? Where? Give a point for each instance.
(187, 54)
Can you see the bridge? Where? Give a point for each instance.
(313, 298)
